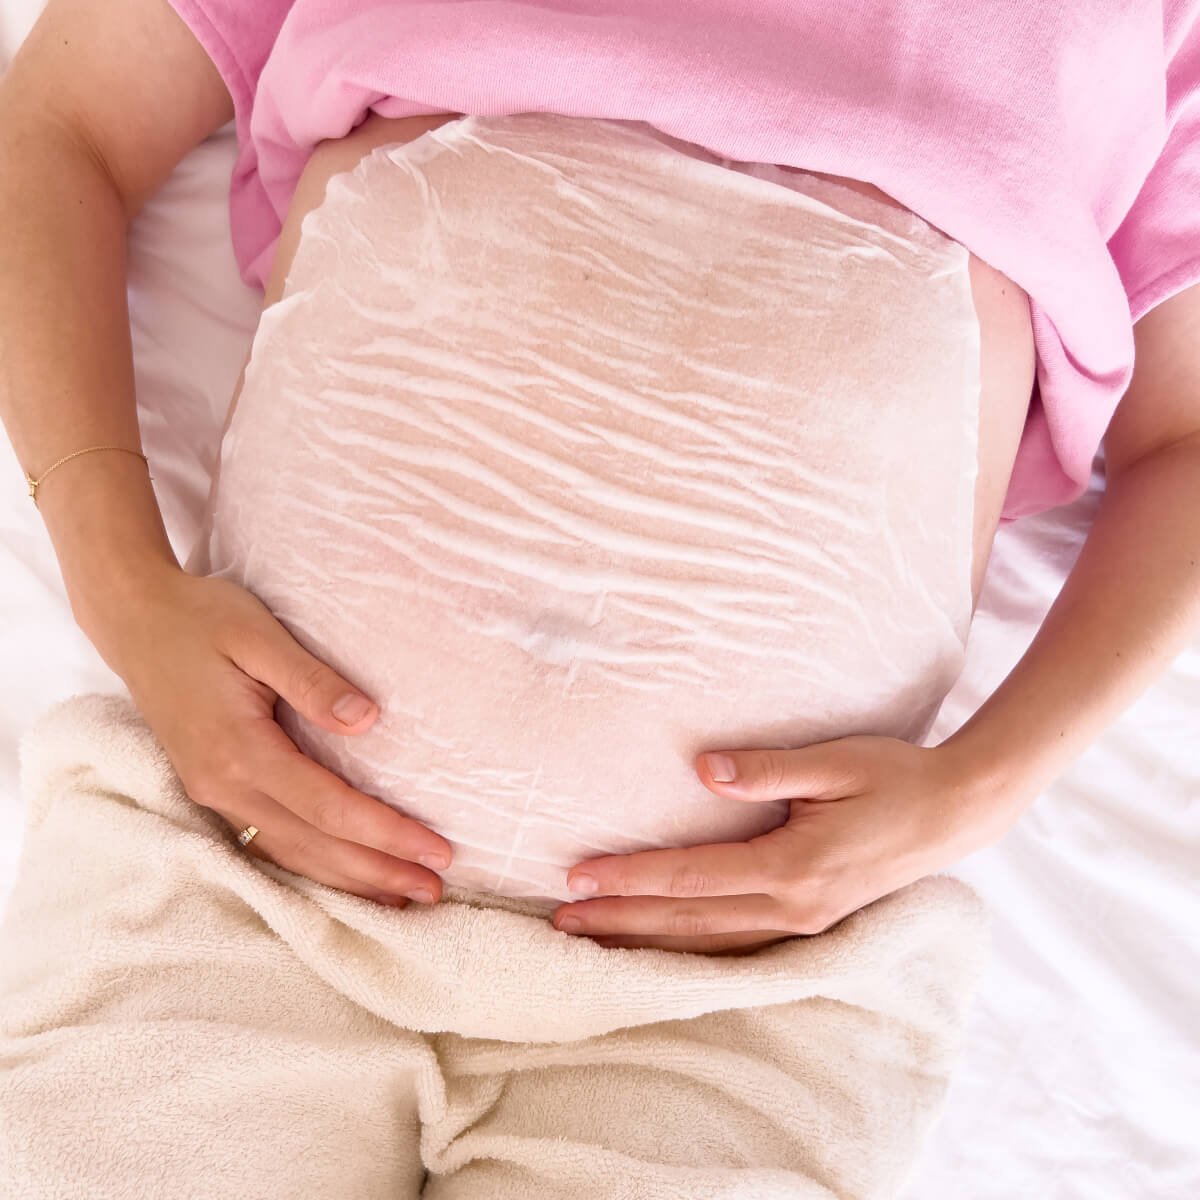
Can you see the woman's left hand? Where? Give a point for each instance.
(868, 815)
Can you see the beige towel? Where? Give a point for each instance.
(179, 1020)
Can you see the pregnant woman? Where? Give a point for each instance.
(635, 384)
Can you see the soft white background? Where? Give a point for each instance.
(1081, 1077)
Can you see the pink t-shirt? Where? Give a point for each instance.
(1058, 142)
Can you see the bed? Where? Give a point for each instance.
(1081, 1076)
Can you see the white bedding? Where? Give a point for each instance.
(1081, 1076)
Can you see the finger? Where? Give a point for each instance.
(716, 947)
(718, 869)
(270, 654)
(287, 841)
(332, 879)
(826, 771)
(660, 918)
(332, 806)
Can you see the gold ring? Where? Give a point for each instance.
(247, 835)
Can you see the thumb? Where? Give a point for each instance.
(824, 771)
(315, 690)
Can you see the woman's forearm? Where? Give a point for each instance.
(67, 378)
(1128, 607)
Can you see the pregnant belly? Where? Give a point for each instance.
(582, 457)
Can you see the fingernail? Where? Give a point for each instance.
(421, 896)
(720, 767)
(583, 883)
(350, 708)
(435, 862)
(570, 924)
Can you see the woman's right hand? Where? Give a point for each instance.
(205, 661)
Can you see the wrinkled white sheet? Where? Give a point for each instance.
(1082, 1069)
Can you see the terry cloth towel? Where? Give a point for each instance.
(178, 1019)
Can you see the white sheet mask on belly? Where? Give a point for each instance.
(582, 452)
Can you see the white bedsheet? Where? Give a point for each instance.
(1081, 1077)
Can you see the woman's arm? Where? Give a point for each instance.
(1132, 601)
(100, 104)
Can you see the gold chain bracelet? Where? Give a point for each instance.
(34, 484)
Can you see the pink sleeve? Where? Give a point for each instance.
(1157, 246)
(237, 36)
